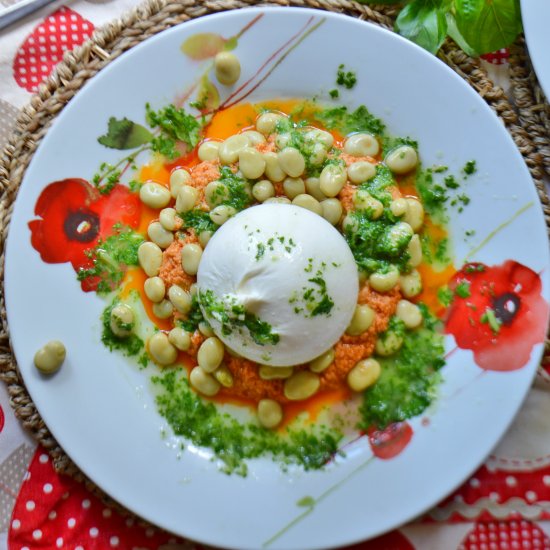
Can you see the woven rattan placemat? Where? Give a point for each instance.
(527, 121)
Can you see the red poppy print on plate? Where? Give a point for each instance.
(387, 443)
(498, 312)
(74, 216)
(44, 48)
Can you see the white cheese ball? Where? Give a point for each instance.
(289, 268)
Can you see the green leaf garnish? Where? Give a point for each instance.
(124, 134)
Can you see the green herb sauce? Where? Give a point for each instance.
(231, 441)
(373, 246)
(199, 220)
(111, 258)
(130, 346)
(409, 379)
(194, 316)
(346, 122)
(237, 195)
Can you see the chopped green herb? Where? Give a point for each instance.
(344, 78)
(390, 142)
(111, 258)
(360, 120)
(199, 220)
(433, 195)
(135, 186)
(175, 125)
(373, 245)
(237, 197)
(464, 199)
(166, 146)
(194, 316)
(470, 168)
(463, 289)
(489, 317)
(260, 252)
(232, 441)
(408, 382)
(473, 268)
(451, 183)
(378, 185)
(445, 296)
(334, 94)
(130, 345)
(234, 317)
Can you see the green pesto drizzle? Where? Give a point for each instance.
(111, 258)
(231, 441)
(130, 346)
(408, 382)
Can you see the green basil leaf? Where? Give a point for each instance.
(423, 22)
(458, 38)
(125, 134)
(486, 25)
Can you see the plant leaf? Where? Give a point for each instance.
(125, 134)
(458, 38)
(488, 25)
(208, 97)
(203, 46)
(424, 22)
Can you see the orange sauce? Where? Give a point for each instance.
(433, 279)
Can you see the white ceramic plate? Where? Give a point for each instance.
(535, 15)
(99, 407)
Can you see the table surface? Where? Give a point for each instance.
(505, 505)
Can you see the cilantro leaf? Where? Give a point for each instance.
(124, 134)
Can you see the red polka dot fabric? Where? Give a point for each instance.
(44, 47)
(499, 57)
(512, 491)
(514, 535)
(53, 511)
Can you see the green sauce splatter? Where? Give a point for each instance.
(199, 220)
(231, 441)
(347, 79)
(130, 346)
(346, 122)
(111, 258)
(408, 382)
